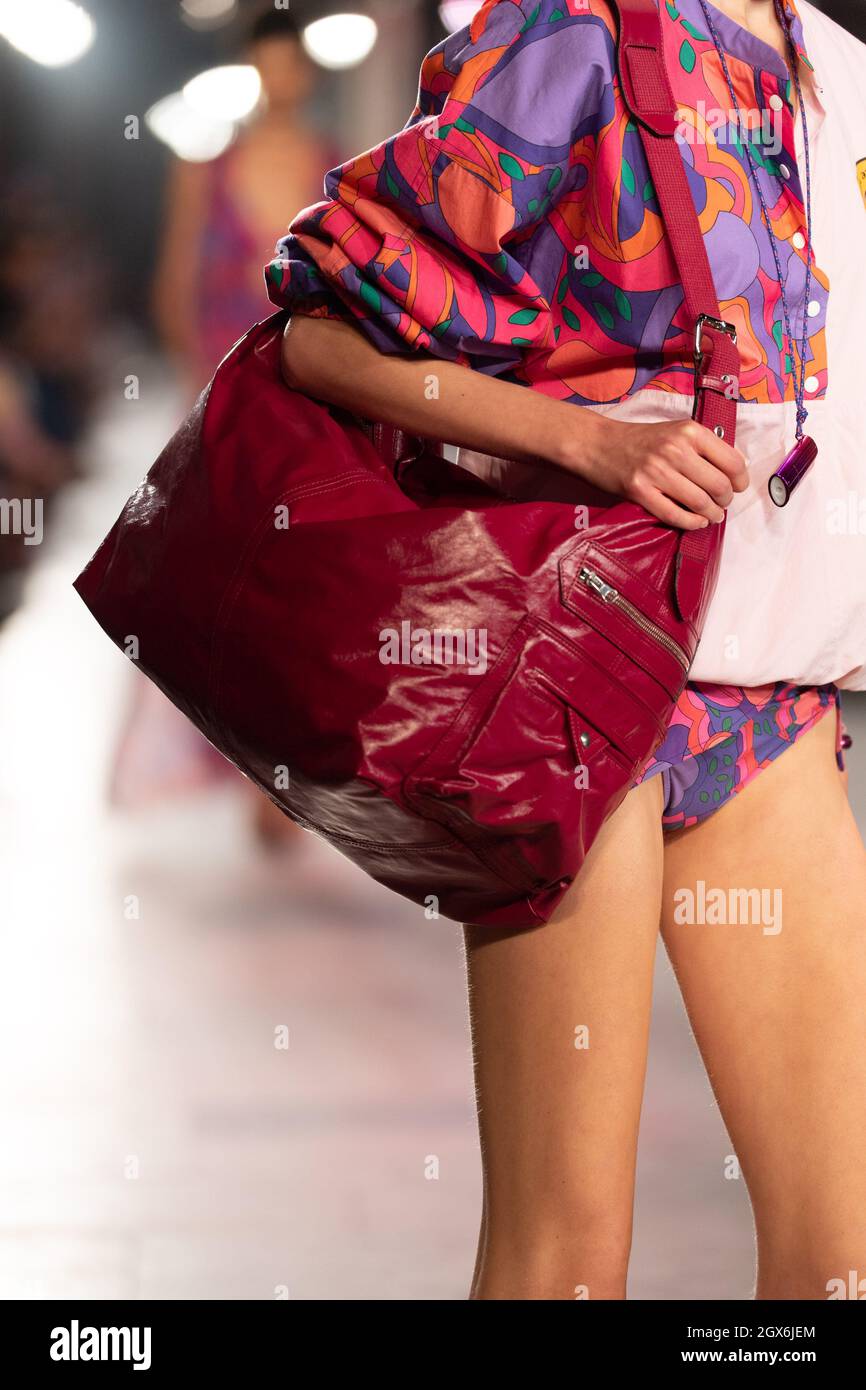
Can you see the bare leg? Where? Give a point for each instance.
(559, 1121)
(781, 1018)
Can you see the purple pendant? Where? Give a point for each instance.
(792, 469)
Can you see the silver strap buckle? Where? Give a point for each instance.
(721, 327)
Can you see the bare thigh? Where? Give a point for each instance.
(780, 1015)
(560, 1020)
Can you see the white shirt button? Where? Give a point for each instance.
(784, 171)
(776, 103)
(812, 383)
(814, 309)
(798, 240)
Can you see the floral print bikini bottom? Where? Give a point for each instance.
(721, 736)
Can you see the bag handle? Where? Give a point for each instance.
(649, 97)
(647, 93)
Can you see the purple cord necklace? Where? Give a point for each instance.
(805, 450)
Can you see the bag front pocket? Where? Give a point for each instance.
(638, 621)
(529, 770)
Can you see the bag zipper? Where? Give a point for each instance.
(608, 594)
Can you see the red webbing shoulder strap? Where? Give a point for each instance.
(648, 95)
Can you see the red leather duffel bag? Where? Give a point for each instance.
(453, 686)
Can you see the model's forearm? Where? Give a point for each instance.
(429, 397)
(678, 470)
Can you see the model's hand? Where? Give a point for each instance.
(678, 470)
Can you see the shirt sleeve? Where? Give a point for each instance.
(426, 241)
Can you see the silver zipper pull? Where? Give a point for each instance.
(598, 585)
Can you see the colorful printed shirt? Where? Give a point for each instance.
(512, 226)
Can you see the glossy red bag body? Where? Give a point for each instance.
(453, 685)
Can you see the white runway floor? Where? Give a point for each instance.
(155, 1143)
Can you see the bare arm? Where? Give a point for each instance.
(175, 282)
(679, 471)
(425, 395)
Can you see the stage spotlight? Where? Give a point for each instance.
(207, 14)
(456, 14)
(340, 40)
(226, 93)
(51, 32)
(188, 133)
